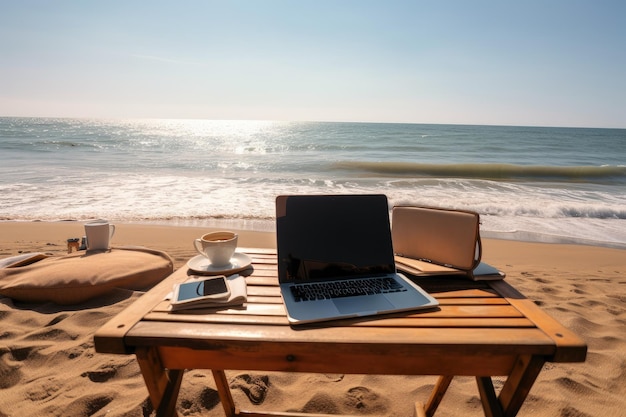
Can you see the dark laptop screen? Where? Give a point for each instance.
(333, 236)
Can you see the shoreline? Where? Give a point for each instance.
(255, 226)
(583, 287)
(508, 255)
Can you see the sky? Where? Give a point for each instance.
(500, 62)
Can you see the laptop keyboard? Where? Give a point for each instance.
(345, 288)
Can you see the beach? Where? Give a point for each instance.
(171, 122)
(48, 365)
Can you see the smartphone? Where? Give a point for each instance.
(207, 289)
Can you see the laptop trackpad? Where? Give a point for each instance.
(352, 305)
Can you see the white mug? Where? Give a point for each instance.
(99, 234)
(219, 247)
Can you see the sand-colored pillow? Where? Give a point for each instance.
(81, 276)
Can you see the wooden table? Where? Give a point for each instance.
(480, 329)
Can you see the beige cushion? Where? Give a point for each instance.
(80, 276)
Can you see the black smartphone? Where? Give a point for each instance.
(213, 288)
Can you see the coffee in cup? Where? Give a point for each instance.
(98, 234)
(218, 247)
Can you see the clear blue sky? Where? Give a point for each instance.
(531, 62)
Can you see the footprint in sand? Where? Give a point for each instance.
(21, 354)
(101, 375)
(44, 390)
(572, 412)
(87, 405)
(209, 398)
(365, 400)
(254, 386)
(575, 387)
(10, 374)
(334, 377)
(57, 319)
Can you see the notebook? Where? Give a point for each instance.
(336, 260)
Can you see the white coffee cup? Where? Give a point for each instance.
(99, 234)
(219, 247)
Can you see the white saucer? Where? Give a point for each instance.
(202, 265)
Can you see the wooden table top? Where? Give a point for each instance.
(481, 327)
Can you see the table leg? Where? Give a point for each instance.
(519, 383)
(437, 395)
(163, 386)
(223, 389)
(491, 406)
(515, 389)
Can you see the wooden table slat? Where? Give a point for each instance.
(254, 336)
(443, 311)
(262, 277)
(227, 317)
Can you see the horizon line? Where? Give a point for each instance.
(313, 121)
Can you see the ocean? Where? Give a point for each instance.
(541, 184)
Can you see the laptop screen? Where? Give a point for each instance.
(323, 237)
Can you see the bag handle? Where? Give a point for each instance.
(479, 250)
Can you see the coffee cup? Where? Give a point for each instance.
(218, 247)
(98, 234)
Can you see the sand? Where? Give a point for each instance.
(48, 365)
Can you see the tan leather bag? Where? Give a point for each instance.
(436, 237)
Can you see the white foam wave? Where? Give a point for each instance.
(505, 208)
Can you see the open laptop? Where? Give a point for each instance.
(336, 260)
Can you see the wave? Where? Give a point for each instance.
(555, 211)
(605, 174)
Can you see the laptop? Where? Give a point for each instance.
(336, 259)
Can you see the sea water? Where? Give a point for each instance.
(529, 183)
